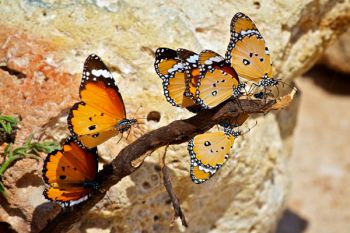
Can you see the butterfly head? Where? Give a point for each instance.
(268, 82)
(228, 129)
(237, 91)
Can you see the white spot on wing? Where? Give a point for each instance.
(176, 67)
(104, 73)
(193, 59)
(213, 59)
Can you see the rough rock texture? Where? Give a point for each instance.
(43, 46)
(337, 56)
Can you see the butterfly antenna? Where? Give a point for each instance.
(137, 111)
(287, 84)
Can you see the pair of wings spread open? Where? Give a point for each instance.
(100, 115)
(197, 81)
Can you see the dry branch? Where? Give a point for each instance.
(174, 133)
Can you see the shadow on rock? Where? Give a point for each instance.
(332, 81)
(29, 179)
(291, 223)
(43, 214)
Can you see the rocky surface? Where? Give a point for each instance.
(320, 165)
(338, 54)
(43, 46)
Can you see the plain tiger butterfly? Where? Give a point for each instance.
(100, 114)
(217, 81)
(209, 151)
(70, 173)
(171, 69)
(247, 52)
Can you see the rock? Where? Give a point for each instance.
(43, 47)
(337, 55)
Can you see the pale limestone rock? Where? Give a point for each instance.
(248, 193)
(337, 55)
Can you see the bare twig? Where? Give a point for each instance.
(175, 133)
(169, 189)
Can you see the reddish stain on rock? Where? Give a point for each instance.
(33, 84)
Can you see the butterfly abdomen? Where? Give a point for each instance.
(91, 185)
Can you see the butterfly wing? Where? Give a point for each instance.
(171, 70)
(208, 153)
(67, 170)
(101, 107)
(190, 61)
(217, 81)
(247, 51)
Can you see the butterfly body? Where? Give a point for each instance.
(70, 173)
(125, 124)
(100, 114)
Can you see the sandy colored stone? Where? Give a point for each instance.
(337, 55)
(46, 42)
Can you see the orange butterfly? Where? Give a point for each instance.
(247, 52)
(70, 173)
(170, 68)
(100, 114)
(217, 81)
(209, 151)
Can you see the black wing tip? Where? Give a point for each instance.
(165, 53)
(93, 56)
(71, 115)
(46, 161)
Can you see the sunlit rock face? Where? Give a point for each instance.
(337, 55)
(43, 47)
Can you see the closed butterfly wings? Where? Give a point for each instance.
(247, 52)
(70, 173)
(171, 69)
(209, 151)
(100, 114)
(217, 82)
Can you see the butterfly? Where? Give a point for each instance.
(100, 114)
(209, 151)
(217, 81)
(170, 68)
(247, 52)
(70, 173)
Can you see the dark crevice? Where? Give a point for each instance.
(330, 80)
(13, 72)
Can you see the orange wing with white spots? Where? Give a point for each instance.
(191, 66)
(217, 82)
(101, 113)
(208, 153)
(70, 173)
(171, 70)
(247, 52)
